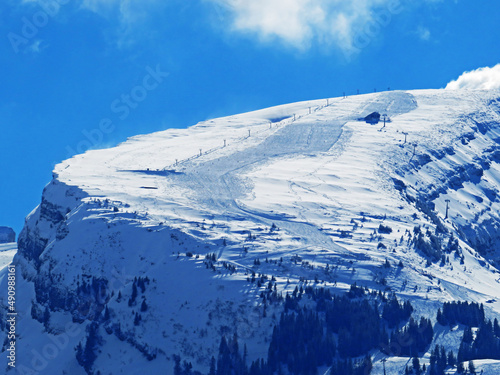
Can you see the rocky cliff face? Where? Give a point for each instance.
(7, 235)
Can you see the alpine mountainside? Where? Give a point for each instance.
(345, 235)
(7, 235)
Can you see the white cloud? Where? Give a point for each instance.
(480, 79)
(350, 25)
(424, 33)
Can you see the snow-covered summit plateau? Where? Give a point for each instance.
(150, 246)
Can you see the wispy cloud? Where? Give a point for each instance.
(129, 11)
(424, 33)
(129, 18)
(480, 79)
(300, 23)
(349, 25)
(290, 21)
(37, 46)
(126, 10)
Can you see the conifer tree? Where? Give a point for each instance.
(416, 365)
(212, 366)
(472, 368)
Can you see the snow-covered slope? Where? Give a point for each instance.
(7, 252)
(305, 186)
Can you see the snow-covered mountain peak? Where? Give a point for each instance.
(304, 191)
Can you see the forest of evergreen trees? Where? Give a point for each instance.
(320, 329)
(412, 339)
(335, 331)
(486, 344)
(470, 314)
(340, 331)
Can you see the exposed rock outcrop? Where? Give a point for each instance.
(7, 235)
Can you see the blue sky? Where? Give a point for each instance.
(72, 67)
